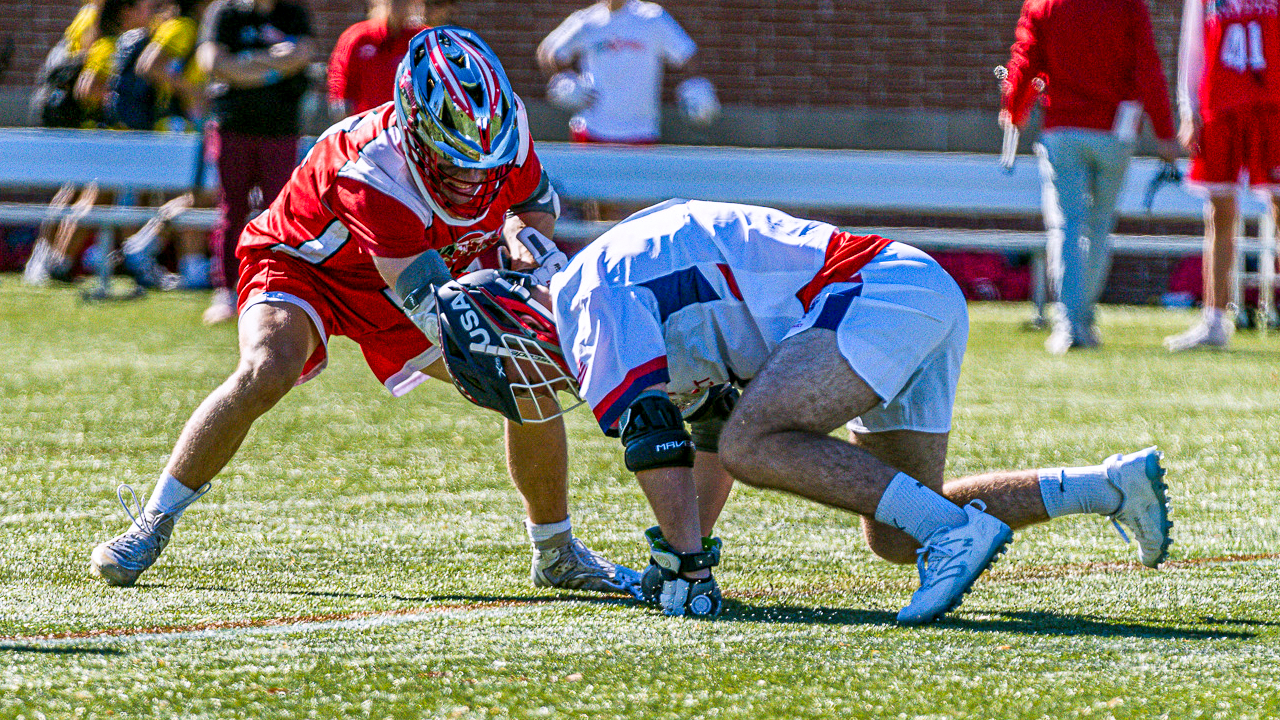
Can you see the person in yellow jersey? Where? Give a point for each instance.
(114, 18)
(168, 62)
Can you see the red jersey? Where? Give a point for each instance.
(1229, 56)
(362, 68)
(352, 197)
(1093, 55)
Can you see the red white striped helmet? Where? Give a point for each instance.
(456, 108)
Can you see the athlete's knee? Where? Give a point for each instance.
(266, 374)
(741, 450)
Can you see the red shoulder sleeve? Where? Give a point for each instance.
(383, 226)
(524, 179)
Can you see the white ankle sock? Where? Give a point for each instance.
(170, 496)
(543, 535)
(1067, 491)
(915, 509)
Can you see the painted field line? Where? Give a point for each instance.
(268, 626)
(1038, 572)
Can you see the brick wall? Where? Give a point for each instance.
(930, 55)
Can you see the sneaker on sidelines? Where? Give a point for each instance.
(1203, 334)
(222, 308)
(120, 560)
(574, 566)
(1144, 504)
(949, 562)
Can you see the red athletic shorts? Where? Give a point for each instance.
(1246, 138)
(394, 347)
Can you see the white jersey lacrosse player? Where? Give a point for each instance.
(655, 325)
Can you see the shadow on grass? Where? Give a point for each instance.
(55, 650)
(563, 596)
(1028, 622)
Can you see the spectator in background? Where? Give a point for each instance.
(363, 65)
(102, 61)
(168, 61)
(1229, 102)
(255, 53)
(440, 12)
(606, 64)
(1099, 63)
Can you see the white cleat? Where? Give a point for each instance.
(1201, 335)
(574, 566)
(951, 560)
(1144, 504)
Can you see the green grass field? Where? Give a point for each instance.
(363, 557)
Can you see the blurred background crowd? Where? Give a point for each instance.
(910, 75)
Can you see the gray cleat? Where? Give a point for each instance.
(574, 566)
(120, 560)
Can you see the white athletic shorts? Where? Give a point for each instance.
(903, 325)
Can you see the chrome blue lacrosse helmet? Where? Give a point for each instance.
(456, 109)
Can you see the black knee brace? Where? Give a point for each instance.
(653, 434)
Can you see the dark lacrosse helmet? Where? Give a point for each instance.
(501, 346)
(456, 108)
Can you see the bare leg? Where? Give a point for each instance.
(1219, 249)
(537, 460)
(275, 342)
(713, 483)
(778, 436)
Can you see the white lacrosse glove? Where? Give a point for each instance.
(678, 595)
(550, 258)
(697, 99)
(570, 91)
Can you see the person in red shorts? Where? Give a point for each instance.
(363, 65)
(386, 207)
(1229, 100)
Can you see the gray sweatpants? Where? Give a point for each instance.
(1082, 172)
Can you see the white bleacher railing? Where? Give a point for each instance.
(931, 184)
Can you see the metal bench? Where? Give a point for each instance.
(929, 184)
(124, 163)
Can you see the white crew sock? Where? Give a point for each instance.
(1067, 491)
(915, 509)
(549, 535)
(171, 497)
(1213, 316)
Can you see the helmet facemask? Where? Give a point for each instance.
(502, 349)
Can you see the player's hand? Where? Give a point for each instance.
(1189, 134)
(1168, 150)
(695, 597)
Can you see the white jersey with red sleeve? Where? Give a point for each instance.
(353, 197)
(1229, 56)
(688, 293)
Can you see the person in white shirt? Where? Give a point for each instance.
(606, 64)
(659, 321)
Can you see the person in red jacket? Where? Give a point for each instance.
(363, 64)
(1098, 61)
(1229, 100)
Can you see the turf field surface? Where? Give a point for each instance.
(363, 556)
